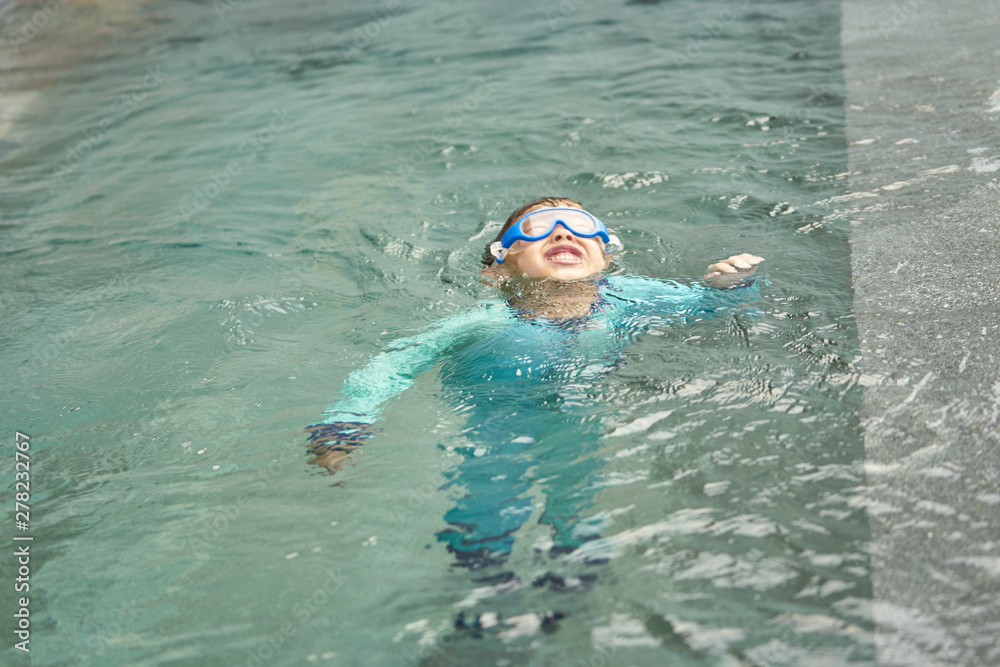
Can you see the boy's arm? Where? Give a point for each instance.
(389, 373)
(349, 421)
(727, 284)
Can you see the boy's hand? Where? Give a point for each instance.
(731, 271)
(332, 444)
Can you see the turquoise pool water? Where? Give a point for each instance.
(212, 213)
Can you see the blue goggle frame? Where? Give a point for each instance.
(527, 228)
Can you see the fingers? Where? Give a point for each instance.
(731, 271)
(719, 269)
(744, 261)
(734, 264)
(332, 459)
(336, 442)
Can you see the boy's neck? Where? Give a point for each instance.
(552, 299)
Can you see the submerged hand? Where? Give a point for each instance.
(731, 271)
(334, 443)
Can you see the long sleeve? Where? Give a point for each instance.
(366, 390)
(647, 297)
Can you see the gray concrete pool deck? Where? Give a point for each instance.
(923, 128)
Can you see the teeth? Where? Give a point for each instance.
(564, 257)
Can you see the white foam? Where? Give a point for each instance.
(621, 630)
(985, 165)
(13, 107)
(632, 180)
(990, 564)
(523, 625)
(641, 424)
(947, 169)
(901, 184)
(994, 102)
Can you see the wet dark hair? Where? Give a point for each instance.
(488, 257)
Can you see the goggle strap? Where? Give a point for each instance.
(498, 251)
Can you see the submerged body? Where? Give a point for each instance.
(525, 384)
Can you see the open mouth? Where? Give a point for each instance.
(564, 254)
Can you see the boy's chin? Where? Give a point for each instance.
(582, 275)
(571, 272)
(500, 273)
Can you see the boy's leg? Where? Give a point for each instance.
(484, 520)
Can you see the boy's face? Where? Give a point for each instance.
(562, 255)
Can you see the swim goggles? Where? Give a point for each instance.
(538, 224)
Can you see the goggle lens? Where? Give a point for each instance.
(541, 222)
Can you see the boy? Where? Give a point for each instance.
(522, 370)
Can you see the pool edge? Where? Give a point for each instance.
(925, 218)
